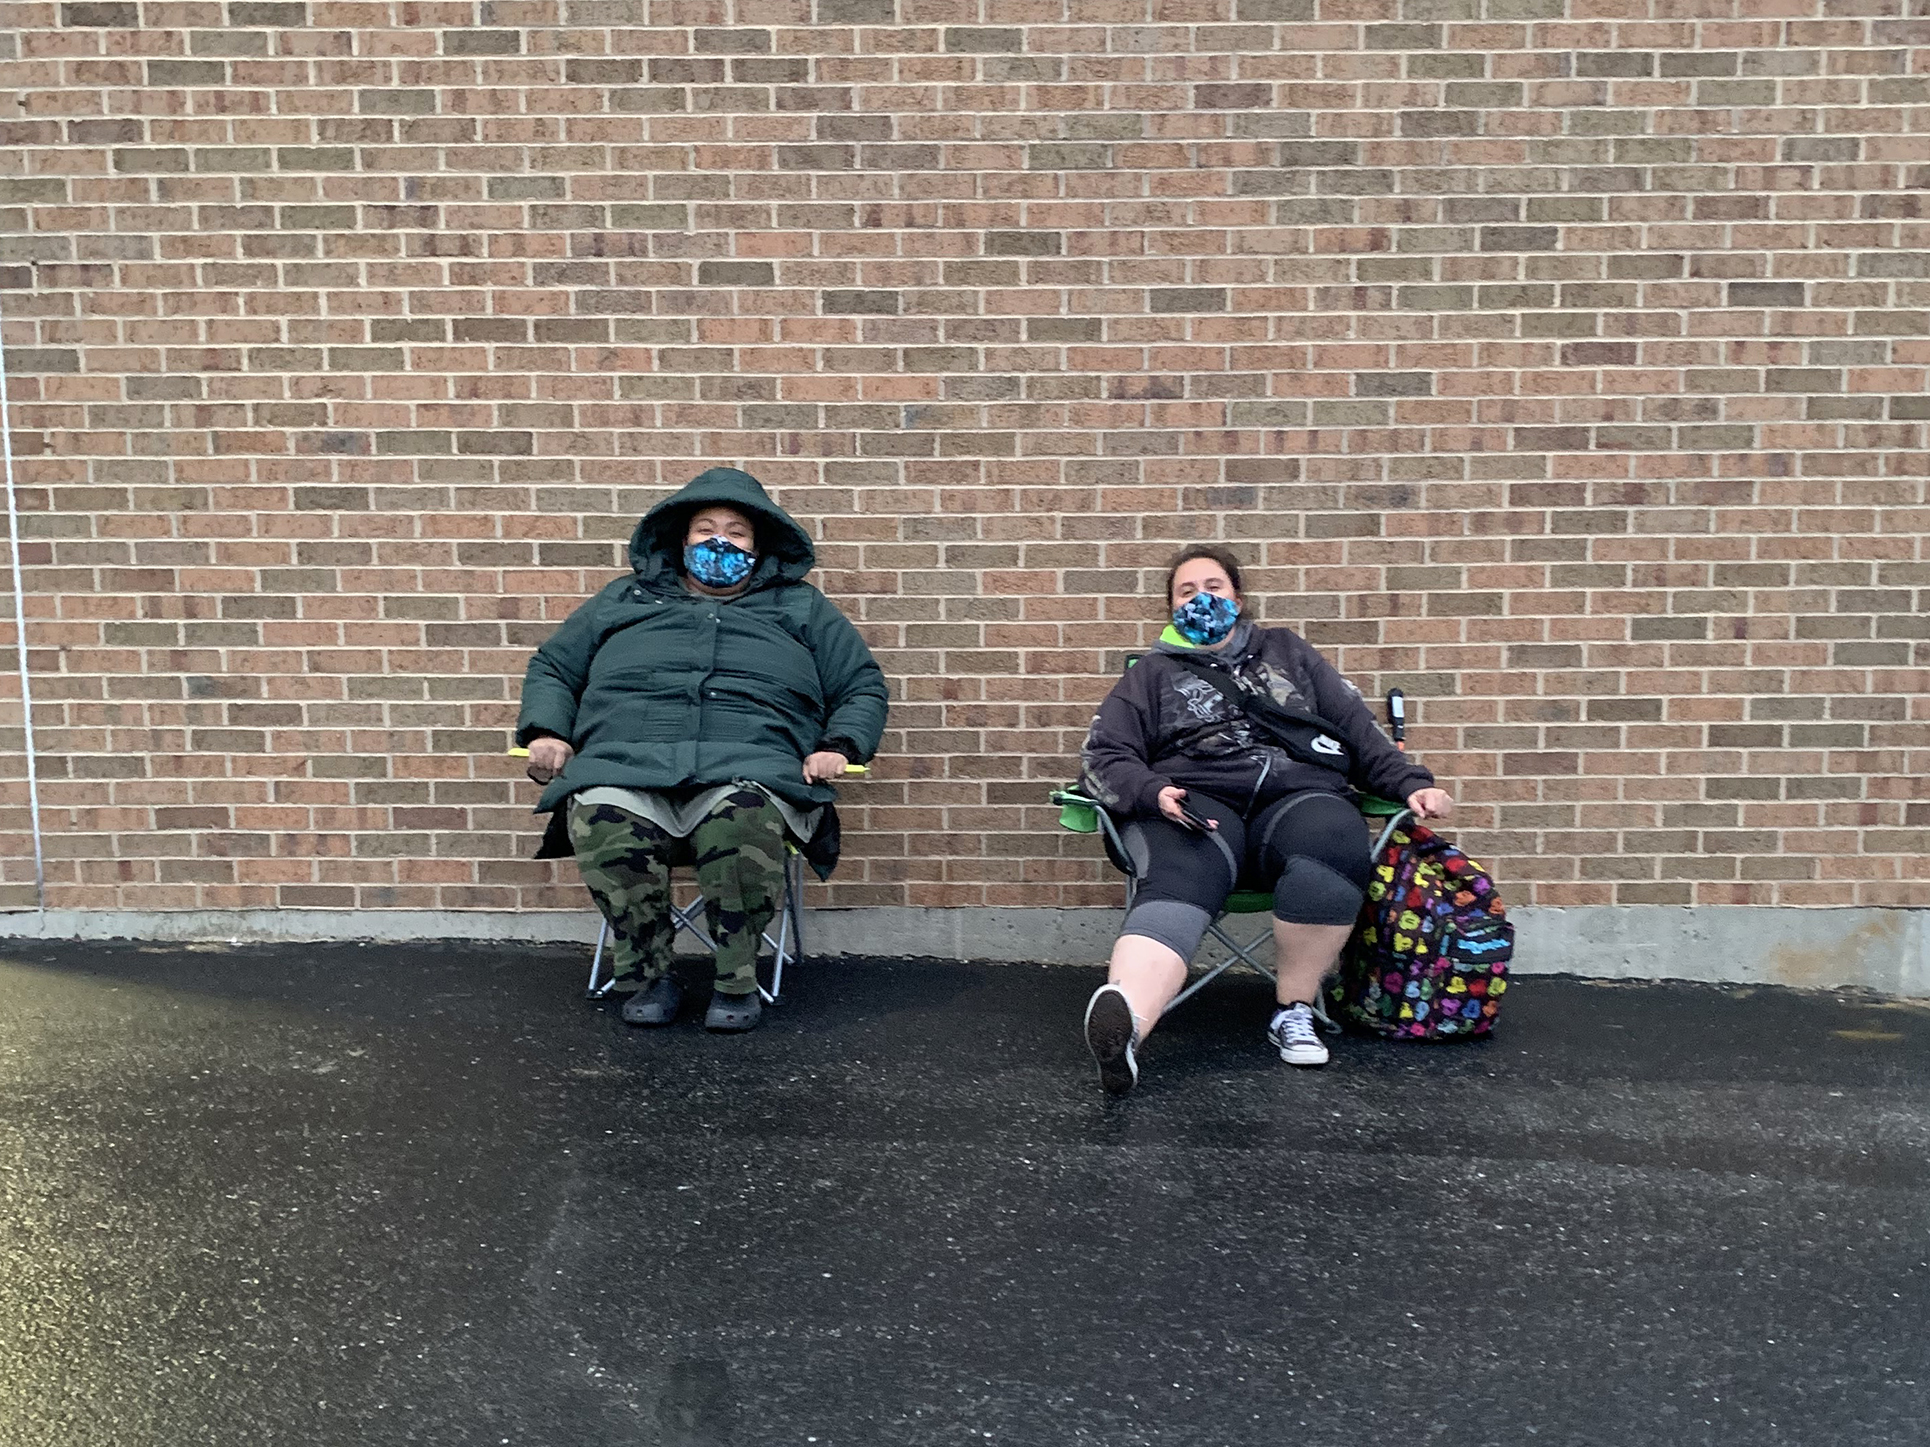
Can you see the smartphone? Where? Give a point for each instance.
(1198, 823)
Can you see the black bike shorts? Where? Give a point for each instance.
(1310, 849)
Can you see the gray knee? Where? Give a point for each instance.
(1312, 892)
(1170, 922)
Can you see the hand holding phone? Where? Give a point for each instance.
(1172, 805)
(1198, 823)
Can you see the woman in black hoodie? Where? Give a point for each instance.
(1228, 755)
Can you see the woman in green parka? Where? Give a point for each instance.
(694, 713)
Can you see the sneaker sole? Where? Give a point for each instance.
(1304, 1062)
(1109, 1036)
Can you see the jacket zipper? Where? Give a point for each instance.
(1266, 758)
(1266, 765)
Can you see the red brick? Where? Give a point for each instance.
(299, 495)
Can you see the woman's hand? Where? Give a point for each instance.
(825, 766)
(547, 757)
(1169, 798)
(1431, 803)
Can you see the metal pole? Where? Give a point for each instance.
(20, 638)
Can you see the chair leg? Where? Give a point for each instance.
(594, 991)
(794, 896)
(789, 943)
(780, 946)
(784, 948)
(1317, 1006)
(688, 918)
(1243, 955)
(1193, 989)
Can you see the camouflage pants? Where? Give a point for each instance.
(738, 854)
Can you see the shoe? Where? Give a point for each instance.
(733, 1012)
(657, 1005)
(1294, 1035)
(1113, 1039)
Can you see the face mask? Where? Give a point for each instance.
(718, 562)
(1206, 618)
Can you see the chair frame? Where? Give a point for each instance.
(1238, 902)
(785, 948)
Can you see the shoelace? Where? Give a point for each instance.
(1296, 1026)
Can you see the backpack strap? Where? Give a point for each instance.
(1305, 737)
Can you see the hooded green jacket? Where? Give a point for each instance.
(657, 687)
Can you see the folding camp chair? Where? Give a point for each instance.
(785, 948)
(1084, 815)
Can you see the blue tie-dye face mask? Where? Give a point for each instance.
(718, 562)
(1206, 618)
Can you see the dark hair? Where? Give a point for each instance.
(1218, 554)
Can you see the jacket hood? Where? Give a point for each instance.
(1239, 643)
(785, 553)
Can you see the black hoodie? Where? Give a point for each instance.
(1162, 724)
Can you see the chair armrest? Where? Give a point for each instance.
(1084, 815)
(1076, 811)
(1394, 821)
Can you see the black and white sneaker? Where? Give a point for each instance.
(1295, 1036)
(1112, 1039)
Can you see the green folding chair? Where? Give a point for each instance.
(1084, 815)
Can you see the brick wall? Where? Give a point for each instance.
(1562, 361)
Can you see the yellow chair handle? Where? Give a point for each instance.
(848, 768)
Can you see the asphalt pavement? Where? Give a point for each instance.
(363, 1195)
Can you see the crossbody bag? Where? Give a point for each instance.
(1304, 737)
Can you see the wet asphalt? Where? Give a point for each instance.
(339, 1194)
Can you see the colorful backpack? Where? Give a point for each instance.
(1429, 957)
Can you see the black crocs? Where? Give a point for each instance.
(657, 1005)
(733, 1012)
